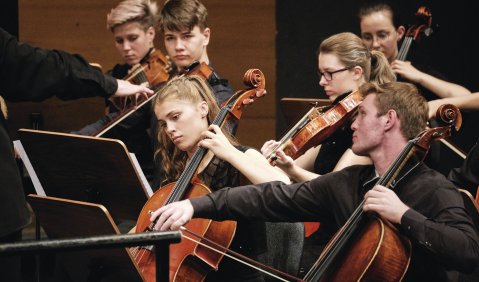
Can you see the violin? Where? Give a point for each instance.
(196, 68)
(153, 71)
(424, 19)
(316, 126)
(191, 260)
(368, 248)
(312, 129)
(413, 33)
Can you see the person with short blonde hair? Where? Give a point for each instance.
(133, 24)
(399, 97)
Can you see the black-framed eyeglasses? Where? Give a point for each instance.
(328, 75)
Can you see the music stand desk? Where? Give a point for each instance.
(295, 108)
(65, 219)
(88, 169)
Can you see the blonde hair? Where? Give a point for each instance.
(3, 108)
(195, 90)
(404, 98)
(351, 52)
(178, 15)
(145, 12)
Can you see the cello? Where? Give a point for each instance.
(190, 260)
(368, 248)
(424, 26)
(424, 16)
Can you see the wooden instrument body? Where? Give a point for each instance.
(188, 260)
(191, 260)
(322, 126)
(367, 248)
(379, 254)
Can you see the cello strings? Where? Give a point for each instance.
(291, 132)
(185, 179)
(336, 243)
(236, 256)
(405, 48)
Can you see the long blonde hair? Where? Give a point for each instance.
(195, 90)
(351, 51)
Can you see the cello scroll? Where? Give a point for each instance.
(413, 33)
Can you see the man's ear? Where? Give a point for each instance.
(391, 119)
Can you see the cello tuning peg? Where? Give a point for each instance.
(428, 31)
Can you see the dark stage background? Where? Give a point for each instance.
(9, 16)
(451, 49)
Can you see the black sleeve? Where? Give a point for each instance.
(271, 201)
(221, 88)
(34, 74)
(449, 236)
(94, 128)
(467, 176)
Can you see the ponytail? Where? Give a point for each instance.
(381, 71)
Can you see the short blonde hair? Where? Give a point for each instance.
(404, 98)
(145, 12)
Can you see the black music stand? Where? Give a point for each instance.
(63, 219)
(88, 169)
(295, 108)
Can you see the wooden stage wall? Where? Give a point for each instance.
(243, 37)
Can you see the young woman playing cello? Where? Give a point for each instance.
(344, 64)
(184, 108)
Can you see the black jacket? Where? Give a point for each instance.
(34, 74)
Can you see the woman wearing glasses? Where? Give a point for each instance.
(380, 31)
(344, 64)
